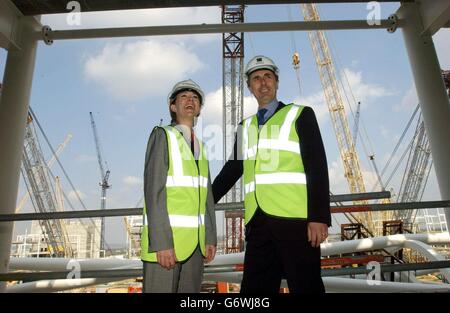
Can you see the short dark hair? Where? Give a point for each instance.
(173, 115)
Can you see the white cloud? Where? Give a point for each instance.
(143, 18)
(362, 91)
(212, 113)
(209, 126)
(132, 181)
(136, 18)
(338, 182)
(317, 102)
(136, 70)
(409, 100)
(212, 110)
(442, 44)
(73, 195)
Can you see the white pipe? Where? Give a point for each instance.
(338, 284)
(54, 285)
(429, 253)
(331, 248)
(61, 264)
(332, 284)
(377, 243)
(211, 29)
(14, 102)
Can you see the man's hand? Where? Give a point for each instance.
(317, 233)
(210, 253)
(166, 258)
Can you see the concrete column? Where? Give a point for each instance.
(432, 95)
(13, 115)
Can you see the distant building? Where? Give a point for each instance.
(134, 228)
(84, 237)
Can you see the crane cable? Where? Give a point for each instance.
(369, 152)
(398, 144)
(295, 54)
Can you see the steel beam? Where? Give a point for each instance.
(435, 14)
(35, 7)
(219, 207)
(214, 29)
(391, 206)
(432, 94)
(9, 17)
(13, 116)
(123, 273)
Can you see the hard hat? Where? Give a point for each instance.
(185, 85)
(260, 62)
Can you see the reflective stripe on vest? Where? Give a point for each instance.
(274, 178)
(186, 189)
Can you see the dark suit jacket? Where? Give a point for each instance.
(316, 170)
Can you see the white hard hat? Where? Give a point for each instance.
(185, 85)
(260, 62)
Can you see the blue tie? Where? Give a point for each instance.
(261, 113)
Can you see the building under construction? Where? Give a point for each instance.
(84, 240)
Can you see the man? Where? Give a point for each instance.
(287, 212)
(179, 232)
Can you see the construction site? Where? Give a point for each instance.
(65, 248)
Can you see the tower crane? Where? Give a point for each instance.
(335, 103)
(233, 95)
(104, 176)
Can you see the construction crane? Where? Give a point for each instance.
(50, 163)
(104, 176)
(37, 179)
(233, 95)
(338, 115)
(415, 176)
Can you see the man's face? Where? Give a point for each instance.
(186, 105)
(264, 85)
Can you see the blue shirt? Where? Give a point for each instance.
(271, 107)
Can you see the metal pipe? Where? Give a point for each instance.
(384, 268)
(361, 196)
(213, 29)
(219, 207)
(391, 206)
(14, 102)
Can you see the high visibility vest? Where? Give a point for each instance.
(186, 189)
(274, 177)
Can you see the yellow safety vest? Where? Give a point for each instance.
(186, 189)
(274, 177)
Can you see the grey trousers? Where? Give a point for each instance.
(186, 277)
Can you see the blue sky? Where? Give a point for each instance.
(125, 82)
